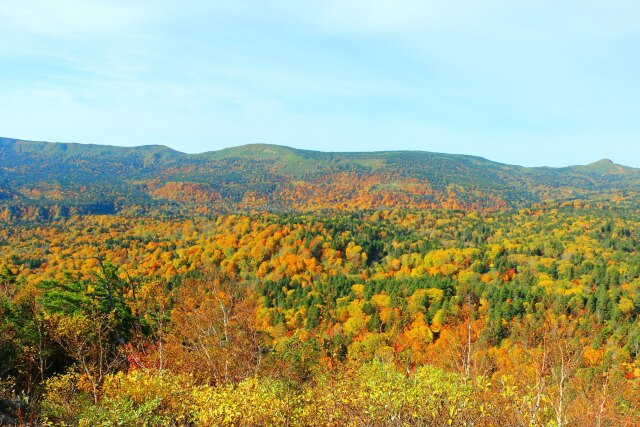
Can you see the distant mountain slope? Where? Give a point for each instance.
(601, 168)
(94, 178)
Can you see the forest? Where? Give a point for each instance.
(386, 302)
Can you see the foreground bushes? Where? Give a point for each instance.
(373, 395)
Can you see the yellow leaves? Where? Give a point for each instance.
(354, 325)
(357, 321)
(262, 318)
(169, 273)
(385, 314)
(353, 253)
(365, 348)
(311, 265)
(251, 402)
(592, 356)
(381, 300)
(385, 353)
(358, 290)
(466, 276)
(418, 335)
(484, 305)
(69, 326)
(626, 305)
(434, 270)
(436, 295)
(307, 251)
(84, 383)
(436, 323)
(545, 280)
(416, 302)
(487, 277)
(263, 269)
(61, 395)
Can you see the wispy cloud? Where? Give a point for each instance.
(72, 19)
(487, 77)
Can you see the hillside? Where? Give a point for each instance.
(64, 178)
(264, 285)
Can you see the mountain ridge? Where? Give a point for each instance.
(238, 149)
(279, 178)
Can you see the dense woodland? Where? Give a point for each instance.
(44, 181)
(470, 310)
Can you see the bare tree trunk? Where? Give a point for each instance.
(605, 385)
(540, 383)
(467, 367)
(560, 401)
(41, 359)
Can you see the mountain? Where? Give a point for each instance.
(65, 178)
(601, 168)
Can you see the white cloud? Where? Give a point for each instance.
(329, 74)
(71, 19)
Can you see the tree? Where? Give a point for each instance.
(213, 334)
(87, 340)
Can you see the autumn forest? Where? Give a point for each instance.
(263, 285)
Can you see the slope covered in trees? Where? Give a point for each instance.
(63, 179)
(264, 286)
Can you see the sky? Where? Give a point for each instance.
(528, 82)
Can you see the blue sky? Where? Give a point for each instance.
(525, 82)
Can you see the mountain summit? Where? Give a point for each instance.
(604, 167)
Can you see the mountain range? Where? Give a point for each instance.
(54, 179)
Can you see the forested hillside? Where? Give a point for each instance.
(48, 180)
(263, 285)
